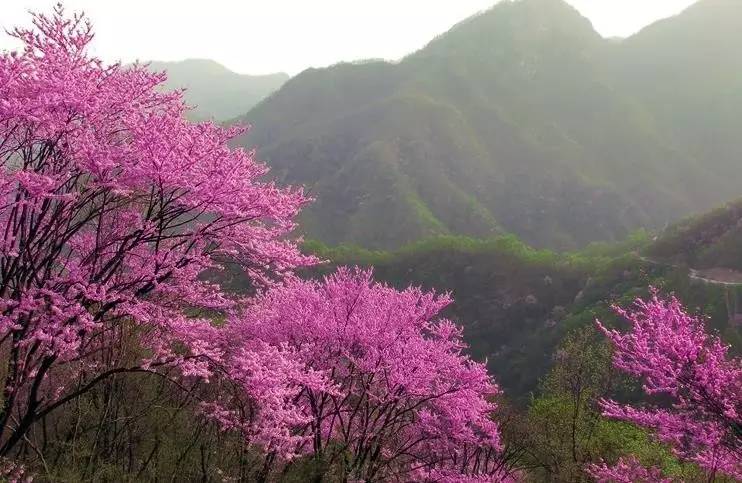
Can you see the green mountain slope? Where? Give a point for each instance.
(215, 91)
(516, 120)
(687, 71)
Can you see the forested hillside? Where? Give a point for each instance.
(707, 241)
(516, 304)
(521, 119)
(688, 76)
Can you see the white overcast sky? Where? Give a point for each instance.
(261, 36)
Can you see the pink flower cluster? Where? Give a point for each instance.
(112, 206)
(626, 470)
(674, 357)
(352, 367)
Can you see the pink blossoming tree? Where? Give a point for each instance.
(627, 470)
(674, 357)
(378, 384)
(112, 206)
(112, 209)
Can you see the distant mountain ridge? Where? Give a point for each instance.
(521, 119)
(216, 92)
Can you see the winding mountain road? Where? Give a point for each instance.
(715, 276)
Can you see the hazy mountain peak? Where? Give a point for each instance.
(520, 25)
(193, 63)
(215, 91)
(203, 68)
(541, 12)
(710, 19)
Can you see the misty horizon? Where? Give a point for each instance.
(291, 37)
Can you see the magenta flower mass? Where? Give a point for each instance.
(627, 470)
(111, 207)
(385, 383)
(670, 351)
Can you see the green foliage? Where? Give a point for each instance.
(138, 428)
(566, 431)
(505, 245)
